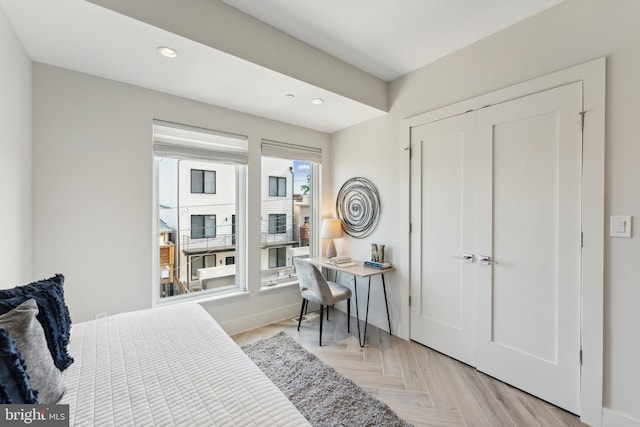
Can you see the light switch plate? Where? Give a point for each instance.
(620, 226)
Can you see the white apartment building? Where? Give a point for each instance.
(197, 201)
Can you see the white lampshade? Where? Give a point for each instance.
(331, 229)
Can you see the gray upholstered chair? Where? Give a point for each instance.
(315, 288)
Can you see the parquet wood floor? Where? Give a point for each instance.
(422, 386)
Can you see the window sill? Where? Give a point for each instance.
(202, 297)
(282, 285)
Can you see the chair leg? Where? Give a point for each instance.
(301, 310)
(306, 306)
(328, 312)
(348, 315)
(320, 340)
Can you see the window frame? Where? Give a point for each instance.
(215, 147)
(203, 181)
(204, 226)
(281, 257)
(281, 184)
(280, 220)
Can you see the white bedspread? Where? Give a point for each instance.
(167, 366)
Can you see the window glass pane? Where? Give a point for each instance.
(277, 257)
(197, 226)
(273, 186)
(286, 219)
(210, 182)
(210, 260)
(273, 258)
(282, 223)
(196, 181)
(209, 226)
(196, 263)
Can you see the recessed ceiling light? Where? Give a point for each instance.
(317, 101)
(168, 52)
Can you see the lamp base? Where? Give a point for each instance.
(331, 249)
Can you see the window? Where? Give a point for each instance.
(277, 186)
(289, 211)
(230, 260)
(201, 261)
(277, 257)
(277, 223)
(203, 181)
(196, 231)
(203, 226)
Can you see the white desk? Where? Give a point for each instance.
(356, 271)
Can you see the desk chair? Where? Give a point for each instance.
(315, 288)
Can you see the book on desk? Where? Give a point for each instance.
(377, 265)
(342, 261)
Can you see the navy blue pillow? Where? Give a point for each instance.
(53, 313)
(14, 381)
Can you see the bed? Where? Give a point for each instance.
(166, 366)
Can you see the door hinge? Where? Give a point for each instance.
(582, 239)
(410, 227)
(582, 114)
(409, 300)
(580, 357)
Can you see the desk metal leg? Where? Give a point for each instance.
(355, 291)
(366, 319)
(384, 288)
(363, 340)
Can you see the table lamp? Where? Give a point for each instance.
(331, 229)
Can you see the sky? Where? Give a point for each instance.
(300, 172)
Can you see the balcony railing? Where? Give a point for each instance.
(220, 242)
(227, 241)
(273, 239)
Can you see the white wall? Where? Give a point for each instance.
(371, 151)
(15, 158)
(92, 184)
(568, 34)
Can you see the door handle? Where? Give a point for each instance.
(465, 257)
(486, 260)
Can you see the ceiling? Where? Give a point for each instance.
(390, 38)
(385, 38)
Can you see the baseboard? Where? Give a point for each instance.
(260, 319)
(611, 418)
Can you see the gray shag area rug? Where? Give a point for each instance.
(323, 396)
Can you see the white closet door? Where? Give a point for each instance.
(529, 197)
(442, 283)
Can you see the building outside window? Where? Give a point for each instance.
(277, 186)
(203, 181)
